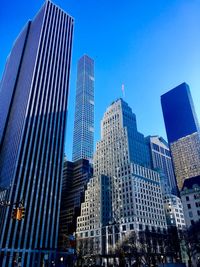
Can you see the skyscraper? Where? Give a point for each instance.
(182, 131)
(33, 104)
(122, 201)
(122, 154)
(83, 137)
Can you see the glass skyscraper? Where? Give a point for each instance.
(33, 104)
(182, 131)
(83, 138)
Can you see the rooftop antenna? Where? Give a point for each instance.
(123, 91)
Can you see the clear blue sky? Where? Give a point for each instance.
(148, 45)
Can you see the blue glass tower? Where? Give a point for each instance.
(33, 104)
(179, 114)
(83, 138)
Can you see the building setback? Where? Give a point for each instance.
(182, 131)
(33, 105)
(83, 137)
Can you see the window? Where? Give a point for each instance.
(140, 226)
(197, 204)
(189, 206)
(123, 227)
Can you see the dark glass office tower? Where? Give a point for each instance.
(182, 131)
(83, 138)
(179, 114)
(33, 104)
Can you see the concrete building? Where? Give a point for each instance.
(83, 137)
(136, 196)
(190, 196)
(182, 131)
(33, 108)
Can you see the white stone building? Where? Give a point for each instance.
(132, 194)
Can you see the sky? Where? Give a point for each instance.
(150, 46)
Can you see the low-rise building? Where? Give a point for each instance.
(190, 196)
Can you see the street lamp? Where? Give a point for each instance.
(162, 258)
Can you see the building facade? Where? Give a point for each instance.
(161, 161)
(95, 216)
(83, 137)
(186, 157)
(135, 190)
(182, 131)
(33, 106)
(190, 196)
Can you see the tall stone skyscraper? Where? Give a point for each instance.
(182, 131)
(83, 138)
(33, 104)
(125, 194)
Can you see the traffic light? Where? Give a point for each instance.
(19, 214)
(14, 214)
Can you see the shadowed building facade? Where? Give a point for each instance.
(76, 175)
(182, 131)
(33, 105)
